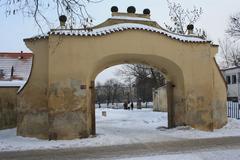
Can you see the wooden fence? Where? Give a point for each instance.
(233, 110)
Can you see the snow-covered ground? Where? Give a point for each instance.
(119, 127)
(120, 105)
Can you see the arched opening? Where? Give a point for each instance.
(173, 90)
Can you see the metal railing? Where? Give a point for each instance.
(233, 110)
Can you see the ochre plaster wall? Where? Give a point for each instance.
(219, 98)
(57, 99)
(8, 107)
(33, 111)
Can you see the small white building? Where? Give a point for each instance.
(232, 77)
(160, 99)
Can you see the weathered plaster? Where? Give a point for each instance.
(8, 107)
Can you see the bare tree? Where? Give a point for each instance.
(130, 83)
(116, 90)
(234, 26)
(100, 97)
(140, 71)
(111, 91)
(229, 46)
(182, 17)
(108, 85)
(134, 70)
(145, 79)
(39, 10)
(229, 53)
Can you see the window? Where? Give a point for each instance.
(228, 78)
(234, 79)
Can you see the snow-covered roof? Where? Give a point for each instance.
(21, 63)
(121, 27)
(131, 18)
(231, 68)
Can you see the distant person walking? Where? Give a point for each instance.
(99, 105)
(132, 106)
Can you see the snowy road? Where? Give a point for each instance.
(202, 149)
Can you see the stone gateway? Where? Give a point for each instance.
(59, 100)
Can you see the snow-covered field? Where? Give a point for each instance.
(119, 127)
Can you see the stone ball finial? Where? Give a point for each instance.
(131, 9)
(114, 9)
(190, 27)
(62, 20)
(146, 11)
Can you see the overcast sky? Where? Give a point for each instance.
(214, 20)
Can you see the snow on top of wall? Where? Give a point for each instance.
(231, 69)
(13, 83)
(131, 18)
(121, 27)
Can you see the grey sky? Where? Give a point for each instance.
(214, 19)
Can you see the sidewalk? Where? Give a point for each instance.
(131, 150)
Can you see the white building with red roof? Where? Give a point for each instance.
(15, 68)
